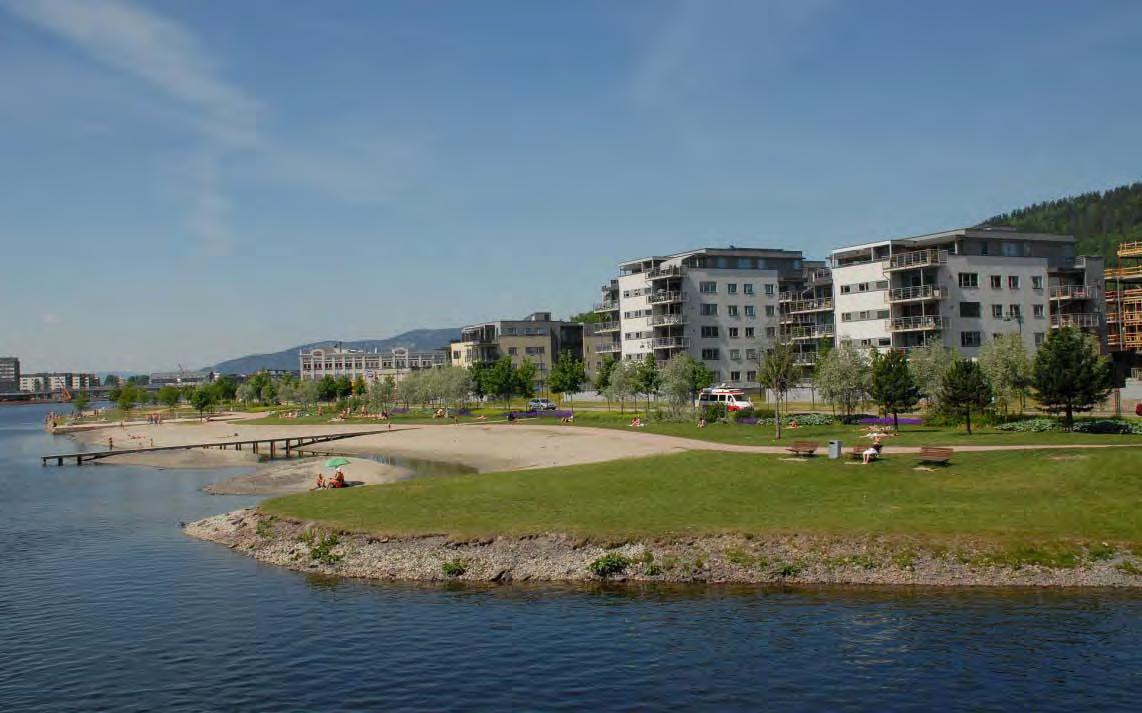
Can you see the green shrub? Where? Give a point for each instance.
(652, 570)
(740, 557)
(608, 564)
(322, 550)
(455, 567)
(1128, 567)
(265, 527)
(789, 569)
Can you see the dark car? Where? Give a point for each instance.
(1138, 408)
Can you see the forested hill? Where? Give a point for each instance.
(1098, 220)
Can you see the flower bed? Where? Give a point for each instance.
(889, 421)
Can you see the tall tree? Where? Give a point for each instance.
(929, 363)
(621, 384)
(890, 384)
(646, 379)
(80, 401)
(842, 377)
(965, 389)
(169, 395)
(500, 379)
(567, 376)
(1004, 360)
(603, 377)
(682, 379)
(226, 388)
(524, 379)
(203, 398)
(777, 371)
(1069, 374)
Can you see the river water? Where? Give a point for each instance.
(106, 606)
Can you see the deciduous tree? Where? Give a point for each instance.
(567, 376)
(778, 372)
(928, 364)
(1004, 361)
(842, 377)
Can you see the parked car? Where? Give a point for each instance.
(1138, 408)
(541, 405)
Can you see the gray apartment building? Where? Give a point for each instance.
(536, 338)
(9, 375)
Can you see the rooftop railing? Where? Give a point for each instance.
(917, 258)
(1123, 273)
(660, 273)
(1131, 249)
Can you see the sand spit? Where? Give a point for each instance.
(305, 547)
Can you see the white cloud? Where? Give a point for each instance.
(166, 56)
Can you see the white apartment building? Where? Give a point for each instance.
(719, 305)
(965, 287)
(336, 361)
(57, 381)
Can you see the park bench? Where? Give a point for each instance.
(803, 448)
(857, 452)
(930, 454)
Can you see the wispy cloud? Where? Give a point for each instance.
(166, 56)
(701, 41)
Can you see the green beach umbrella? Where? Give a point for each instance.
(334, 462)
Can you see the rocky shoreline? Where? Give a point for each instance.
(307, 547)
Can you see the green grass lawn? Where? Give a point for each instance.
(1002, 498)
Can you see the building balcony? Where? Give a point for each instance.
(1081, 320)
(1073, 292)
(824, 304)
(1133, 249)
(666, 320)
(916, 259)
(666, 297)
(609, 348)
(805, 358)
(668, 343)
(1123, 273)
(921, 323)
(921, 293)
(608, 306)
(661, 273)
(607, 327)
(821, 276)
(820, 331)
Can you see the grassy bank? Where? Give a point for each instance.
(1008, 500)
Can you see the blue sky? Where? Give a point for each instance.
(186, 182)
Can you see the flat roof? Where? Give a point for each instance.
(970, 232)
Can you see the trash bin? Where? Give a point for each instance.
(835, 448)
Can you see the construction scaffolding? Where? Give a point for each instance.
(1124, 300)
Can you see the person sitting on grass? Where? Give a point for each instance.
(568, 419)
(320, 482)
(702, 422)
(636, 422)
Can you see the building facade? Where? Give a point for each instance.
(45, 382)
(1124, 302)
(9, 375)
(719, 305)
(336, 361)
(965, 287)
(181, 378)
(536, 338)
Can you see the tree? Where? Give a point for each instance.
(500, 379)
(603, 377)
(309, 392)
(225, 388)
(586, 317)
(1004, 361)
(777, 371)
(842, 377)
(621, 383)
(929, 363)
(327, 388)
(646, 378)
(80, 401)
(1069, 374)
(170, 396)
(203, 398)
(965, 388)
(382, 392)
(567, 376)
(681, 380)
(128, 396)
(890, 384)
(524, 381)
(359, 388)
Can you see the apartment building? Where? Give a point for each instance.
(536, 338)
(9, 375)
(719, 305)
(336, 361)
(806, 312)
(45, 382)
(965, 287)
(1124, 301)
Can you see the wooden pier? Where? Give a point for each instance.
(270, 446)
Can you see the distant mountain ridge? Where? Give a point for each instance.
(417, 340)
(1099, 220)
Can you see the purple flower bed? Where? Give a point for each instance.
(399, 410)
(463, 412)
(539, 414)
(748, 421)
(888, 421)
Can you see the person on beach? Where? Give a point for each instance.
(511, 417)
(320, 482)
(338, 480)
(110, 443)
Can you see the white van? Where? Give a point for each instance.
(732, 399)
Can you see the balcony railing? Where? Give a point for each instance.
(1081, 320)
(917, 258)
(668, 343)
(607, 327)
(805, 358)
(605, 307)
(1073, 292)
(915, 294)
(915, 324)
(1123, 273)
(660, 273)
(1133, 249)
(819, 331)
(608, 348)
(819, 305)
(666, 320)
(665, 297)
(824, 274)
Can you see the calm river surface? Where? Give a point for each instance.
(106, 606)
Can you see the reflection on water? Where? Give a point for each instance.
(105, 605)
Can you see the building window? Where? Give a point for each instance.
(884, 342)
(771, 331)
(534, 351)
(882, 284)
(969, 279)
(1036, 282)
(708, 288)
(747, 288)
(732, 310)
(1036, 310)
(846, 289)
(732, 288)
(969, 339)
(997, 282)
(736, 354)
(735, 376)
(1014, 311)
(997, 311)
(751, 376)
(708, 310)
(770, 311)
(1038, 339)
(751, 354)
(1012, 250)
(969, 310)
(769, 288)
(455, 355)
(749, 332)
(750, 311)
(710, 354)
(513, 350)
(733, 332)
(710, 332)
(510, 331)
(1013, 282)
